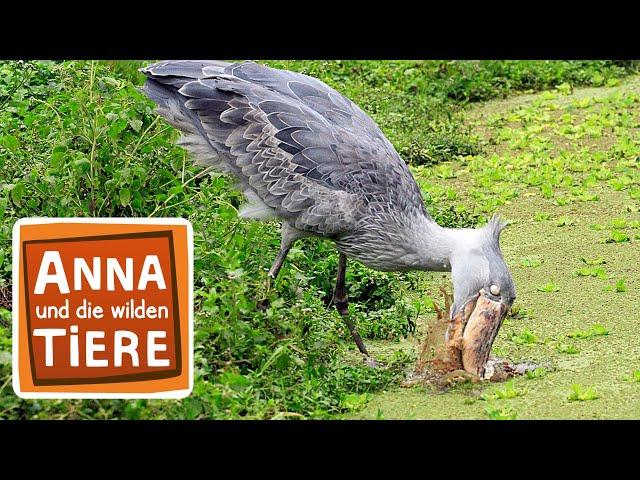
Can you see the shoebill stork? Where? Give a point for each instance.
(304, 154)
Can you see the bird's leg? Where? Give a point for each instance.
(288, 238)
(277, 264)
(273, 273)
(340, 300)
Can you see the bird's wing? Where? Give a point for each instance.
(306, 151)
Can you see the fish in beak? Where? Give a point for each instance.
(481, 331)
(473, 330)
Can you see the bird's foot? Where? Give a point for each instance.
(370, 362)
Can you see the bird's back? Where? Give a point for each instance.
(299, 150)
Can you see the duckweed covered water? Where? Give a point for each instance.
(548, 158)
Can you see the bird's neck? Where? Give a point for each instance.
(414, 243)
(434, 247)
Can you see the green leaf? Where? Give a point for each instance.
(354, 401)
(509, 391)
(597, 79)
(117, 127)
(634, 377)
(621, 287)
(531, 261)
(3, 207)
(595, 261)
(599, 330)
(136, 124)
(17, 192)
(548, 287)
(618, 237)
(526, 337)
(10, 142)
(596, 330)
(82, 164)
(582, 394)
(565, 222)
(57, 158)
(567, 348)
(537, 373)
(175, 190)
(591, 272)
(125, 197)
(496, 412)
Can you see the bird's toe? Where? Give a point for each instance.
(371, 362)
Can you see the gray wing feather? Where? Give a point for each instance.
(310, 154)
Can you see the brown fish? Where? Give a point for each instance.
(480, 332)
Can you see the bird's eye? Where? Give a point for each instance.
(495, 290)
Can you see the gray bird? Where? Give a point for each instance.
(304, 154)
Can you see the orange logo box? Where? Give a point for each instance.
(102, 308)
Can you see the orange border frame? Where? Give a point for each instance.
(178, 386)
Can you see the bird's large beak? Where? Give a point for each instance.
(480, 331)
(472, 331)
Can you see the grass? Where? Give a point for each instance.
(80, 133)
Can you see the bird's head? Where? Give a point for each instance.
(477, 264)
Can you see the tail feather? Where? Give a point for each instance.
(178, 88)
(171, 105)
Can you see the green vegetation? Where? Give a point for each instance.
(531, 262)
(618, 237)
(596, 330)
(567, 348)
(566, 222)
(434, 91)
(500, 412)
(598, 272)
(526, 337)
(549, 287)
(580, 393)
(594, 261)
(539, 372)
(508, 391)
(78, 139)
(634, 377)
